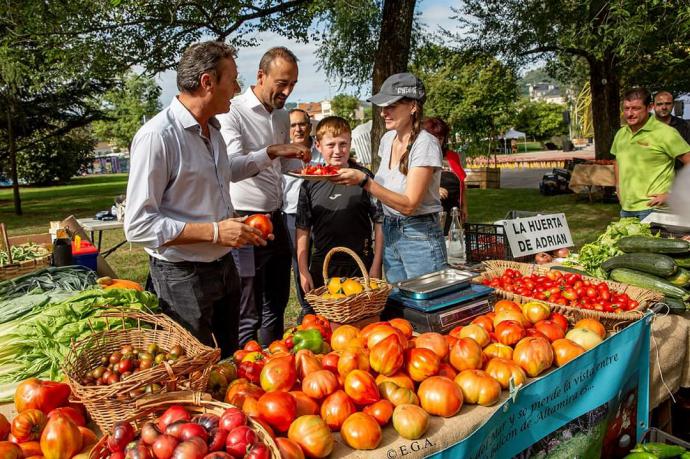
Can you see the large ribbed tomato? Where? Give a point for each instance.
(498, 350)
(361, 387)
(565, 350)
(433, 341)
(41, 395)
(403, 325)
(306, 363)
(381, 411)
(440, 396)
(342, 337)
(336, 408)
(313, 436)
(534, 355)
(61, 438)
(28, 425)
(319, 384)
(279, 373)
(386, 357)
(353, 359)
(279, 409)
(503, 369)
(478, 387)
(509, 332)
(477, 333)
(422, 363)
(466, 354)
(410, 421)
(361, 431)
(397, 395)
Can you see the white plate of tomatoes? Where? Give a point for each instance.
(315, 172)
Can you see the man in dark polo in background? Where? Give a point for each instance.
(663, 107)
(178, 203)
(256, 129)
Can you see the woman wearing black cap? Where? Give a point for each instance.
(407, 182)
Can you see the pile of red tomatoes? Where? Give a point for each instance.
(567, 289)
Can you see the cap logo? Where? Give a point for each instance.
(406, 90)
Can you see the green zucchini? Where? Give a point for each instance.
(569, 269)
(652, 263)
(632, 244)
(681, 278)
(676, 305)
(682, 261)
(648, 281)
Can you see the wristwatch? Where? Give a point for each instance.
(364, 181)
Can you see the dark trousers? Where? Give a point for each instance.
(306, 307)
(272, 281)
(202, 297)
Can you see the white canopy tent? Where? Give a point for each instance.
(514, 134)
(361, 142)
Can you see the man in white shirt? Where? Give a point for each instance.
(300, 132)
(178, 203)
(257, 126)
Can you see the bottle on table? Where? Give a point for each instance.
(456, 240)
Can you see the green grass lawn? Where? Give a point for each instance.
(84, 196)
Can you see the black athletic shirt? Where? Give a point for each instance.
(338, 216)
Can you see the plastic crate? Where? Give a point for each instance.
(659, 436)
(484, 241)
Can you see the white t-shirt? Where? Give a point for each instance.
(425, 152)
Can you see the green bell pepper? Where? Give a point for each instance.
(308, 339)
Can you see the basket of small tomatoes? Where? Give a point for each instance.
(108, 371)
(186, 424)
(572, 294)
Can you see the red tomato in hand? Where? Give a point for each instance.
(260, 222)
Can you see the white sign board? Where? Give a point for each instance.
(537, 234)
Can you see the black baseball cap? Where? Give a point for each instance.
(399, 86)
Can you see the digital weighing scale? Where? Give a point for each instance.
(442, 313)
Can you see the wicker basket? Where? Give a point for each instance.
(19, 268)
(353, 307)
(612, 321)
(109, 404)
(149, 408)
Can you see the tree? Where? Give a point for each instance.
(618, 39)
(49, 75)
(474, 96)
(541, 120)
(56, 159)
(344, 105)
(127, 108)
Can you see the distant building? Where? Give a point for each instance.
(546, 92)
(319, 110)
(109, 159)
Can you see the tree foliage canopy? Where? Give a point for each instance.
(475, 96)
(541, 120)
(126, 108)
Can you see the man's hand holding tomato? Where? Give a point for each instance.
(253, 229)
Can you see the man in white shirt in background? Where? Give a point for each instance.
(257, 129)
(178, 203)
(300, 132)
